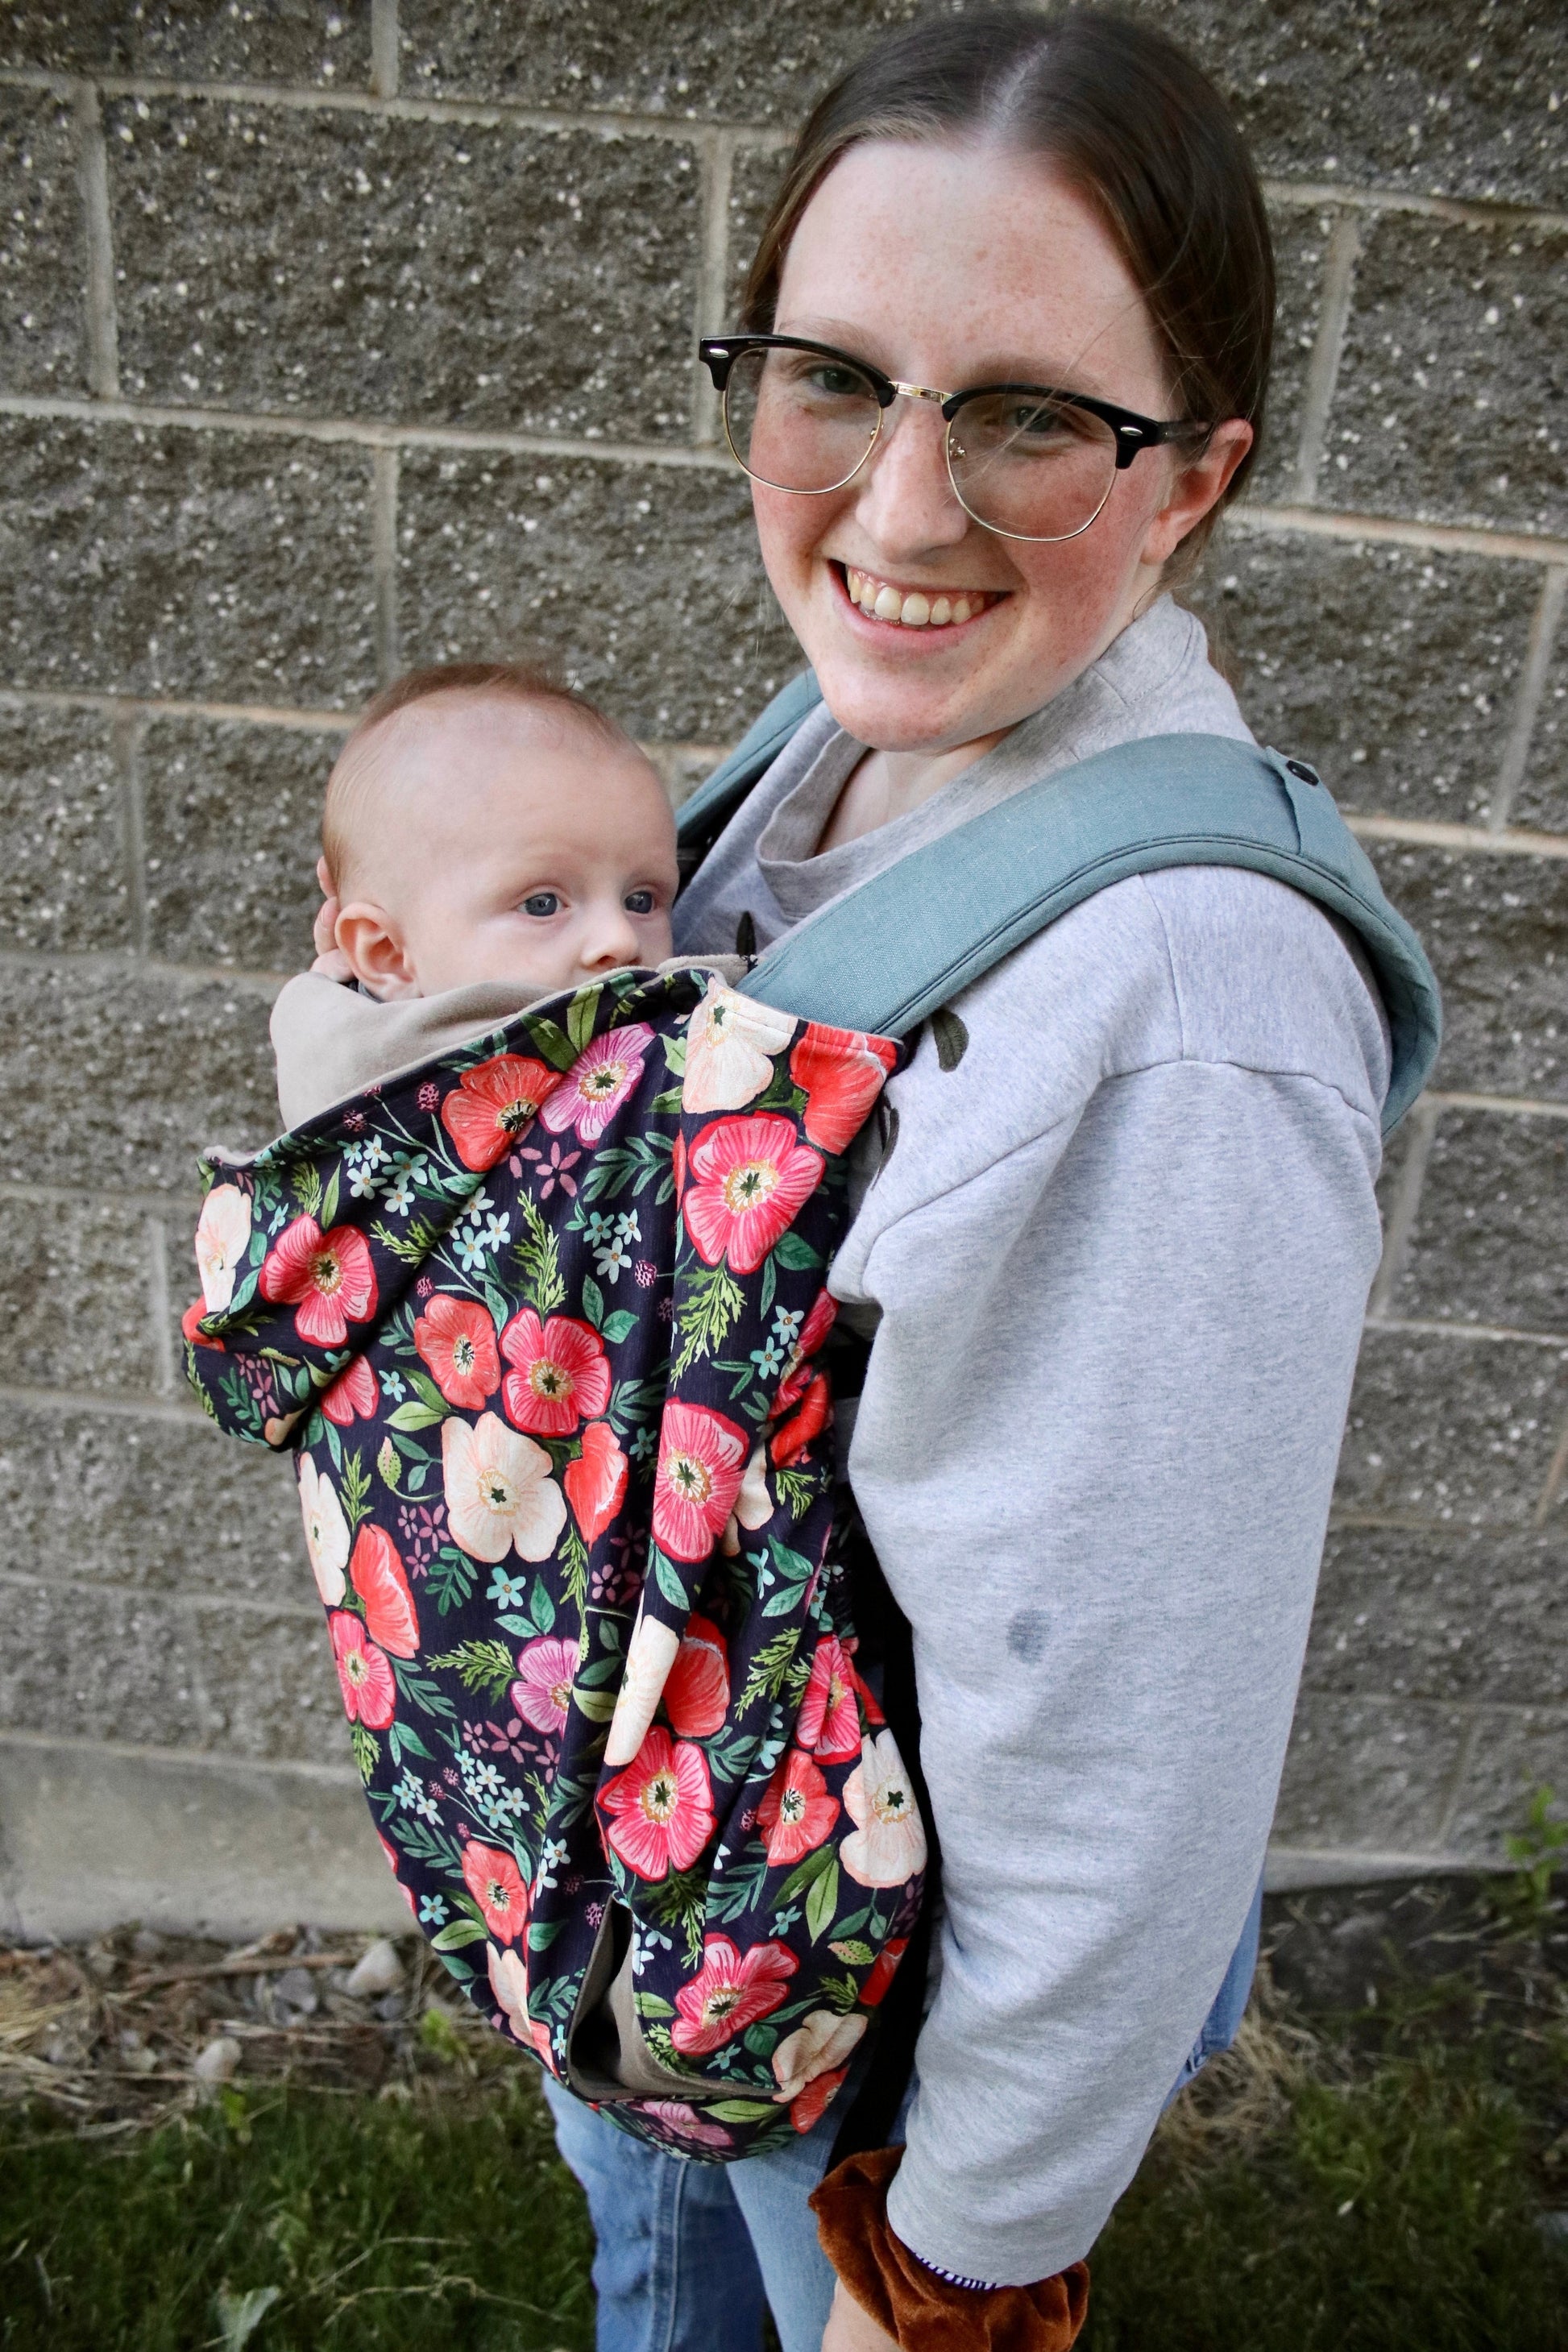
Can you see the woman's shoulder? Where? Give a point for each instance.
(1198, 964)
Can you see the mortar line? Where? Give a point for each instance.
(108, 963)
(1430, 835)
(384, 60)
(216, 1761)
(1440, 538)
(1529, 695)
(151, 1203)
(385, 465)
(1415, 1327)
(1323, 371)
(712, 278)
(118, 706)
(161, 1303)
(92, 178)
(1458, 1775)
(136, 1407)
(1509, 1105)
(175, 1597)
(1556, 1473)
(1464, 212)
(127, 731)
(1408, 1201)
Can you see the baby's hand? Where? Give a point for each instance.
(331, 962)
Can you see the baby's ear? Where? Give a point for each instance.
(365, 933)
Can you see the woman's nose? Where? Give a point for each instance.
(906, 502)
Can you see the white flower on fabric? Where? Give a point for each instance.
(651, 1653)
(500, 1493)
(753, 1504)
(823, 2042)
(888, 1844)
(730, 1044)
(222, 1236)
(610, 1261)
(326, 1532)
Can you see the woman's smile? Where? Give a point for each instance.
(888, 603)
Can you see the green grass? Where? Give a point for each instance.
(379, 2223)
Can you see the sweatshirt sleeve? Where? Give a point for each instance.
(1095, 1455)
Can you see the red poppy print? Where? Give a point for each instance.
(353, 1395)
(492, 1104)
(327, 1278)
(701, 1462)
(595, 1482)
(806, 2111)
(841, 1073)
(812, 1332)
(697, 1687)
(560, 1375)
(662, 1807)
(746, 1179)
(377, 1576)
(874, 1990)
(457, 1341)
(191, 1327)
(365, 1673)
(497, 1885)
(798, 1811)
(732, 1990)
(829, 1723)
(788, 1443)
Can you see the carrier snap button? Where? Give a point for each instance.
(1300, 768)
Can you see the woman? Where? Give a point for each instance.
(1114, 1266)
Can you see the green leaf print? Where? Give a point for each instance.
(456, 1933)
(593, 1302)
(807, 1873)
(618, 1326)
(367, 1749)
(774, 1670)
(713, 1304)
(414, 1416)
(553, 1043)
(356, 1490)
(540, 1608)
(796, 1253)
(738, 2111)
(579, 1015)
(483, 1665)
(329, 1208)
(538, 1260)
(667, 1576)
(822, 1902)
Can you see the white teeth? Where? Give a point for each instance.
(915, 610)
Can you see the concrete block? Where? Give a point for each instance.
(1450, 1429)
(1453, 384)
(92, 1836)
(641, 583)
(108, 1500)
(1490, 1239)
(754, 177)
(121, 1075)
(63, 866)
(186, 563)
(1300, 251)
(1438, 1613)
(353, 264)
(155, 1671)
(1374, 1773)
(77, 1280)
(257, 40)
(1495, 929)
(1391, 668)
(1542, 796)
(1512, 1755)
(42, 259)
(233, 824)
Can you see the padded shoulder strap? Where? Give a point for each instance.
(886, 954)
(704, 816)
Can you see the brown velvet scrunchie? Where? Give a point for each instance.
(924, 2312)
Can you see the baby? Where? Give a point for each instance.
(490, 838)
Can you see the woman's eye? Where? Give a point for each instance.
(543, 902)
(638, 902)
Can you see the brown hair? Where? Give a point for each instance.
(1128, 122)
(511, 681)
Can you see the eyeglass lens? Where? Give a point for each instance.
(1021, 463)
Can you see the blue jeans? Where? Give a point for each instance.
(686, 2251)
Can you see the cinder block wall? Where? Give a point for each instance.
(337, 338)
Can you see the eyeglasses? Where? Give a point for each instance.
(1025, 460)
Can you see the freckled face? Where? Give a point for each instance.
(957, 266)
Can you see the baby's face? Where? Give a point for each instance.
(518, 844)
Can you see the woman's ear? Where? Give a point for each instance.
(377, 956)
(1196, 488)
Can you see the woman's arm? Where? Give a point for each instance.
(1095, 1455)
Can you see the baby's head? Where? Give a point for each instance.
(483, 823)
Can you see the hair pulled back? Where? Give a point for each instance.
(1126, 118)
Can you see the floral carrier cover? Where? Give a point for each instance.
(539, 1321)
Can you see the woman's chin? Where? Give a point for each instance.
(912, 707)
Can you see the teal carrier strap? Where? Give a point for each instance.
(889, 953)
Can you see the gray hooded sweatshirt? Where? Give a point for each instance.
(1115, 1261)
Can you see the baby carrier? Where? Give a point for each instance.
(542, 1322)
